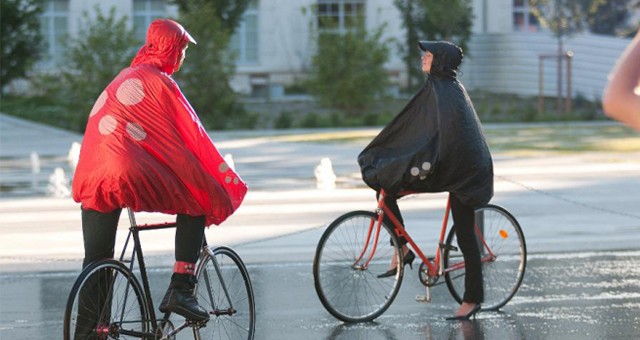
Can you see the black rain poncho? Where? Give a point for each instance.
(435, 144)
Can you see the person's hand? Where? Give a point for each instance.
(621, 99)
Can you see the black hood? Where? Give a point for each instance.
(447, 57)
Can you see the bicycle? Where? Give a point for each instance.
(351, 253)
(108, 302)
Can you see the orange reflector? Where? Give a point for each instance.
(503, 233)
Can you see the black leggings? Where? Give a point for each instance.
(463, 219)
(99, 233)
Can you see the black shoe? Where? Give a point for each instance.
(467, 316)
(179, 299)
(408, 259)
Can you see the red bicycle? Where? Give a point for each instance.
(355, 249)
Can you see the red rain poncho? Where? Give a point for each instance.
(144, 146)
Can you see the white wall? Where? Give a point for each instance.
(509, 63)
(497, 60)
(78, 8)
(492, 16)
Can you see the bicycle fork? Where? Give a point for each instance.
(375, 224)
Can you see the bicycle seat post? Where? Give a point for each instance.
(132, 218)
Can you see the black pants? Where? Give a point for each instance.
(463, 224)
(99, 232)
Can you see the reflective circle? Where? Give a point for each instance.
(136, 131)
(130, 92)
(97, 106)
(107, 125)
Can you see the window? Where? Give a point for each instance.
(144, 12)
(245, 39)
(340, 15)
(54, 26)
(523, 19)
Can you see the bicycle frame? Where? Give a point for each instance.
(435, 267)
(134, 230)
(216, 266)
(156, 327)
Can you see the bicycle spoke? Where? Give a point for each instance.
(502, 276)
(348, 292)
(224, 279)
(106, 294)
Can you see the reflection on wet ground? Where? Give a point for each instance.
(564, 296)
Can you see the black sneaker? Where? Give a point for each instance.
(179, 299)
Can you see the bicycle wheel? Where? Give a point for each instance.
(504, 257)
(224, 290)
(348, 288)
(106, 302)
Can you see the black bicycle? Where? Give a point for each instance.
(108, 302)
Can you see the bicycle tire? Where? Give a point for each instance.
(348, 290)
(503, 275)
(232, 317)
(103, 291)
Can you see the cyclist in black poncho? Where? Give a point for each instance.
(436, 144)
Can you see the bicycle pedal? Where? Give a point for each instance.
(423, 298)
(197, 324)
(448, 247)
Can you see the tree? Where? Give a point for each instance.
(103, 47)
(20, 39)
(228, 13)
(432, 20)
(347, 72)
(606, 16)
(209, 67)
(563, 18)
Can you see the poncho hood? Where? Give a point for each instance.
(165, 39)
(447, 57)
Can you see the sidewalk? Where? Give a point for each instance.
(565, 202)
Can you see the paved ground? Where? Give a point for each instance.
(579, 213)
(583, 295)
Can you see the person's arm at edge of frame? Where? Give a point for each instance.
(619, 100)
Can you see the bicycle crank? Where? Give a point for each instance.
(424, 277)
(425, 298)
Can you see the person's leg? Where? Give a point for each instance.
(188, 242)
(392, 204)
(99, 234)
(464, 219)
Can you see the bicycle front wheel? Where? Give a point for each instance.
(504, 257)
(224, 290)
(349, 257)
(106, 302)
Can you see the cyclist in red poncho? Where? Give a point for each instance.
(145, 148)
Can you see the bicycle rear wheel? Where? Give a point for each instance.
(348, 288)
(504, 257)
(224, 290)
(106, 302)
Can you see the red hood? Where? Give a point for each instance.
(165, 40)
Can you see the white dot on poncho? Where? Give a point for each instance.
(130, 92)
(107, 125)
(223, 167)
(97, 106)
(136, 131)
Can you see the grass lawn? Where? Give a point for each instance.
(521, 139)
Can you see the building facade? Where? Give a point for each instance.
(509, 51)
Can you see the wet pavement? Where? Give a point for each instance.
(564, 296)
(579, 213)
